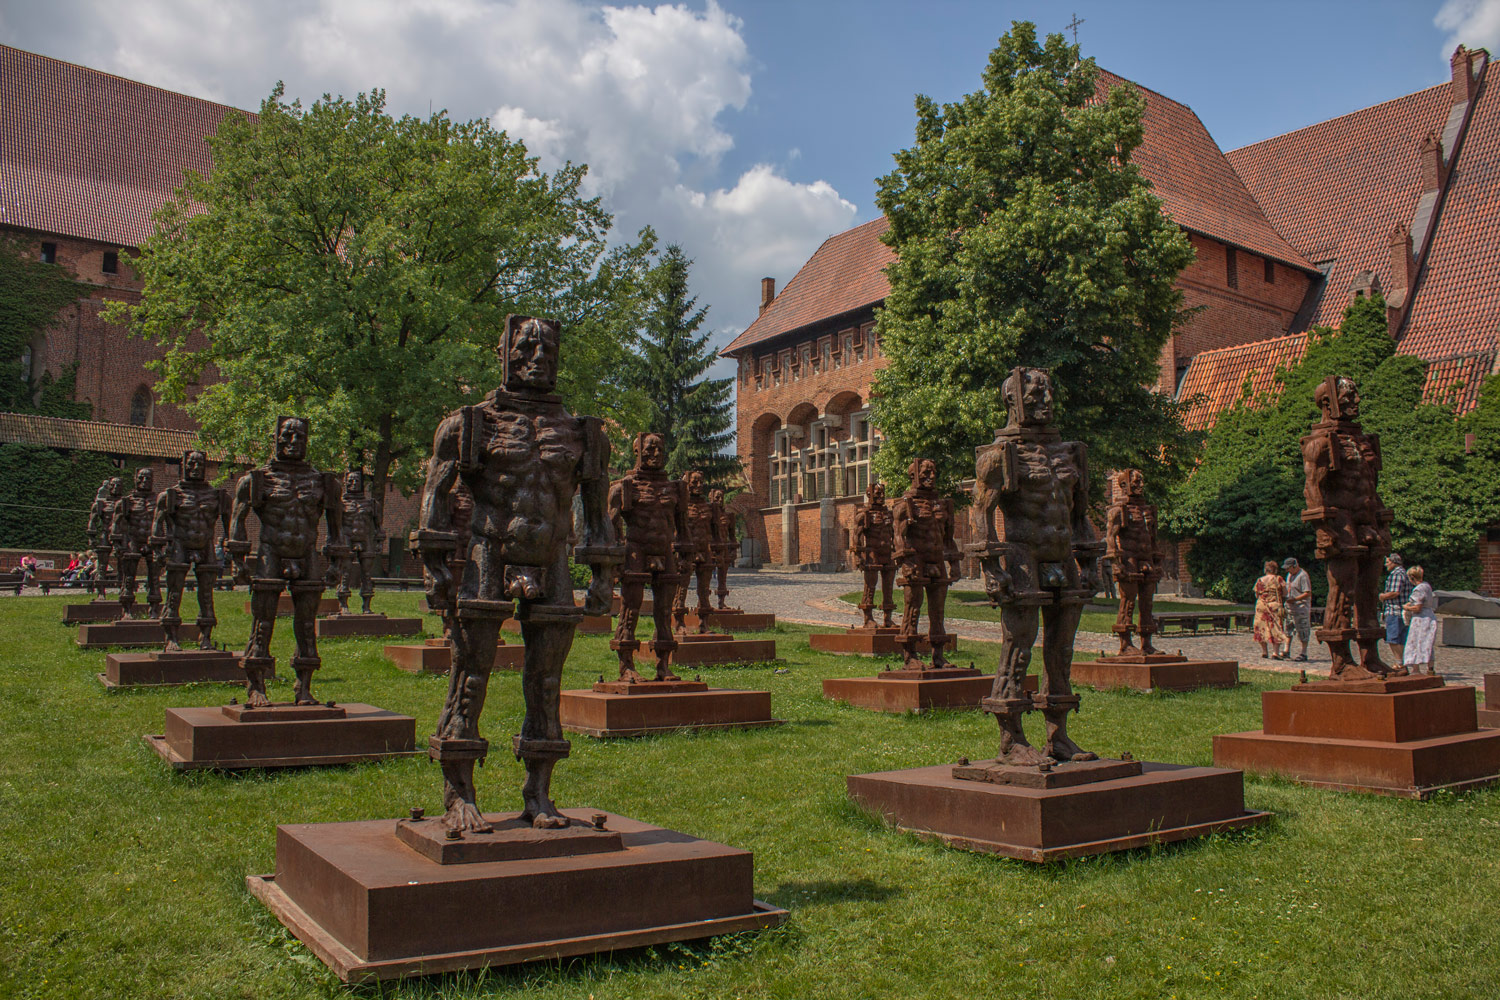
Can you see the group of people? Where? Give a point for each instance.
(1408, 609)
(80, 567)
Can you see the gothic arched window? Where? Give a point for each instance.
(140, 407)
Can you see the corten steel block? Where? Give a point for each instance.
(587, 625)
(95, 611)
(198, 738)
(606, 715)
(326, 606)
(1166, 802)
(870, 642)
(190, 666)
(1492, 692)
(347, 625)
(716, 650)
(1384, 718)
(134, 633)
(1413, 769)
(734, 621)
(1185, 675)
(349, 891)
(891, 692)
(421, 659)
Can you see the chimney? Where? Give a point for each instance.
(1431, 160)
(1401, 260)
(767, 293)
(1464, 83)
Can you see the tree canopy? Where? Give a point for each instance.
(1244, 502)
(1025, 235)
(32, 293)
(356, 268)
(693, 413)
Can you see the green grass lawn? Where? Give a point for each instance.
(121, 878)
(973, 605)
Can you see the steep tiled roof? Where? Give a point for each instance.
(1218, 377)
(95, 435)
(1196, 184)
(1335, 190)
(1456, 381)
(90, 155)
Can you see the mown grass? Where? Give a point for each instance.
(1098, 616)
(122, 879)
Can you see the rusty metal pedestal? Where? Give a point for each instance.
(237, 737)
(163, 669)
(866, 641)
(620, 709)
(901, 691)
(1489, 715)
(1155, 672)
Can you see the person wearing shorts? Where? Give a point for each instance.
(1298, 606)
(1397, 592)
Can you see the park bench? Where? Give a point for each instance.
(397, 582)
(12, 581)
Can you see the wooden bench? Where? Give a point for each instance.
(397, 582)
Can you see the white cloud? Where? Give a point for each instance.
(1473, 23)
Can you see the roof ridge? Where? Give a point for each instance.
(1328, 121)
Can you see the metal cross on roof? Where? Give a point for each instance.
(1074, 25)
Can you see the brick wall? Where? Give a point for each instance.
(1489, 567)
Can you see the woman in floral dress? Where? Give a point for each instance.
(1270, 605)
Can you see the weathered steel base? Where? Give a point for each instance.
(698, 650)
(326, 606)
(160, 669)
(878, 641)
(1489, 714)
(1162, 803)
(733, 620)
(613, 709)
(94, 611)
(435, 656)
(349, 891)
(131, 633)
(1163, 672)
(914, 690)
(282, 736)
(1406, 737)
(587, 625)
(337, 626)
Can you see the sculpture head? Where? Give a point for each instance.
(923, 474)
(143, 480)
(354, 483)
(1127, 484)
(291, 439)
(650, 451)
(875, 493)
(1338, 398)
(116, 486)
(1028, 397)
(194, 466)
(716, 496)
(694, 482)
(528, 352)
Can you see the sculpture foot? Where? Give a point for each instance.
(1357, 672)
(889, 622)
(171, 645)
(1147, 647)
(542, 814)
(256, 698)
(1021, 755)
(303, 689)
(465, 817)
(664, 672)
(366, 609)
(1398, 671)
(629, 674)
(939, 661)
(1059, 746)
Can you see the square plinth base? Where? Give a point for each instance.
(1182, 675)
(207, 738)
(715, 649)
(135, 632)
(95, 611)
(893, 692)
(284, 609)
(733, 620)
(1165, 802)
(870, 642)
(436, 657)
(347, 625)
(159, 669)
(606, 715)
(372, 908)
(1414, 769)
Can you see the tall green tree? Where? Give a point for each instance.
(357, 268)
(693, 413)
(32, 293)
(1024, 235)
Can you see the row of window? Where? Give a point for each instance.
(847, 347)
(828, 466)
(109, 265)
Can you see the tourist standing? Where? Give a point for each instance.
(1270, 601)
(1298, 606)
(1421, 638)
(1392, 602)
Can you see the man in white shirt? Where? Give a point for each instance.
(1298, 605)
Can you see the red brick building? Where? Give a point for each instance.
(1401, 196)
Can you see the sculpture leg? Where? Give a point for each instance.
(705, 572)
(867, 598)
(305, 597)
(1009, 701)
(101, 568)
(346, 569)
(1368, 626)
(457, 745)
(548, 633)
(722, 588)
(624, 643)
(663, 590)
(911, 616)
(887, 595)
(153, 584)
(126, 564)
(1055, 695)
(172, 618)
(366, 580)
(678, 604)
(1128, 591)
(1148, 620)
(208, 579)
(937, 634)
(1338, 617)
(257, 662)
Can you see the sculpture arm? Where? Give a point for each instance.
(237, 543)
(161, 521)
(597, 546)
(900, 522)
(683, 543)
(950, 545)
(857, 540)
(1086, 543)
(434, 538)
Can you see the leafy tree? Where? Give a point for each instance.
(1025, 235)
(693, 413)
(357, 269)
(1243, 504)
(31, 295)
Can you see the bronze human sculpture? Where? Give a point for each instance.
(182, 533)
(922, 532)
(727, 545)
(649, 512)
(361, 540)
(1342, 468)
(101, 512)
(871, 550)
(1134, 553)
(698, 554)
(522, 457)
(1046, 563)
(289, 497)
(130, 533)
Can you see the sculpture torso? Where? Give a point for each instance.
(647, 503)
(1039, 511)
(132, 523)
(1131, 538)
(361, 526)
(292, 498)
(927, 516)
(196, 506)
(99, 513)
(1342, 465)
(875, 534)
(700, 522)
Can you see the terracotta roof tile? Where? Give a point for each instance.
(90, 155)
(1456, 381)
(1219, 377)
(1336, 189)
(96, 435)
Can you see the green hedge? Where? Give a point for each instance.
(45, 496)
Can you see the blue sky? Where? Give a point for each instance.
(749, 130)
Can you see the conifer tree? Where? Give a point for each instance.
(693, 413)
